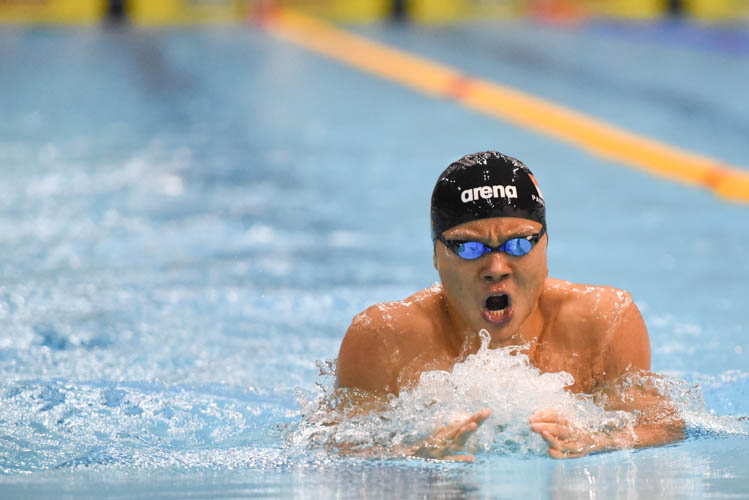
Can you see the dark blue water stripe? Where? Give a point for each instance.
(720, 38)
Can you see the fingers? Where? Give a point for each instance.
(553, 427)
(444, 442)
(454, 437)
(461, 434)
(480, 416)
(465, 432)
(547, 415)
(565, 440)
(561, 448)
(470, 424)
(554, 441)
(458, 428)
(554, 453)
(560, 431)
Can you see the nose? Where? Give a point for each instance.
(496, 267)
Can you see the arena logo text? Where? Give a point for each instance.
(487, 192)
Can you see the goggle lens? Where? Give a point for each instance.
(471, 250)
(517, 246)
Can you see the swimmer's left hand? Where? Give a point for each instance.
(565, 439)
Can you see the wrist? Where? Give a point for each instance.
(617, 439)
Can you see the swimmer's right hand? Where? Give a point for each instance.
(448, 442)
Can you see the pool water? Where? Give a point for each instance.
(190, 218)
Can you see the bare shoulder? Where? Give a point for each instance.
(607, 317)
(379, 338)
(592, 302)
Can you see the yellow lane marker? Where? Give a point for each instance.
(514, 106)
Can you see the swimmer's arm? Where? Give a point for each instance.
(629, 385)
(627, 344)
(627, 357)
(366, 375)
(364, 363)
(656, 421)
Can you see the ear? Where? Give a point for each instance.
(546, 255)
(435, 259)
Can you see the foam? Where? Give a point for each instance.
(502, 380)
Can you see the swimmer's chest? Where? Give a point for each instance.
(429, 359)
(585, 366)
(584, 369)
(577, 355)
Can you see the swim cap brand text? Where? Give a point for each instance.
(487, 192)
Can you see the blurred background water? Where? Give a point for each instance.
(190, 217)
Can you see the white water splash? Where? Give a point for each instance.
(499, 379)
(502, 380)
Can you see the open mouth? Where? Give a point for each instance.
(497, 310)
(497, 302)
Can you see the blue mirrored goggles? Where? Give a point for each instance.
(471, 250)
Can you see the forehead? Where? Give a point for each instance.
(495, 227)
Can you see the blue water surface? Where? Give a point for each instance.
(190, 218)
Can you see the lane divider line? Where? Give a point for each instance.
(511, 105)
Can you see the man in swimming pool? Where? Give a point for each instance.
(489, 232)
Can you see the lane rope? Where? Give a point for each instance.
(511, 105)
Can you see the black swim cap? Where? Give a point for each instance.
(484, 185)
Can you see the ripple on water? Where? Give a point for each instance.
(56, 424)
(63, 424)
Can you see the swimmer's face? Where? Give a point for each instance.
(497, 291)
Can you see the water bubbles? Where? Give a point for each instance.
(259, 234)
(499, 379)
(503, 381)
(171, 185)
(62, 425)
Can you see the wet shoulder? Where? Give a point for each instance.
(590, 308)
(383, 339)
(410, 319)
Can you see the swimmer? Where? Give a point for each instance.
(489, 231)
